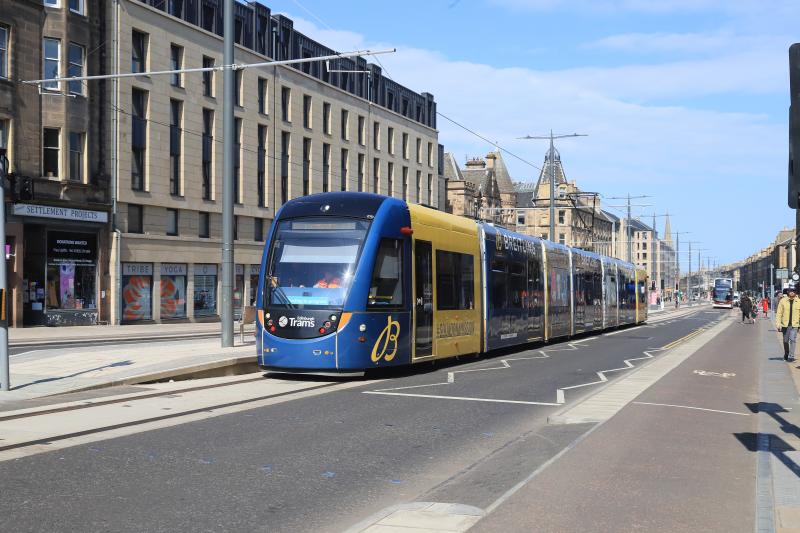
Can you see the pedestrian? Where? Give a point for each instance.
(746, 306)
(765, 306)
(787, 320)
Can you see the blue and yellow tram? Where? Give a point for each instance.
(355, 281)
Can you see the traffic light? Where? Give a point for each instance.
(794, 125)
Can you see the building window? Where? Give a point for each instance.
(138, 52)
(138, 139)
(362, 131)
(237, 161)
(175, 112)
(562, 192)
(390, 140)
(419, 151)
(76, 141)
(326, 118)
(235, 227)
(52, 3)
(430, 154)
(345, 125)
(76, 6)
(286, 103)
(286, 140)
(405, 184)
(203, 226)
(376, 135)
(262, 96)
(326, 167)
(135, 218)
(52, 63)
(261, 166)
(362, 163)
(175, 8)
(51, 144)
(405, 146)
(562, 239)
(208, 151)
(306, 111)
(306, 165)
(390, 178)
(561, 215)
(75, 67)
(418, 197)
(258, 229)
(237, 78)
(4, 51)
(172, 293)
(343, 171)
(172, 221)
(176, 62)
(376, 170)
(208, 76)
(430, 189)
(644, 246)
(205, 290)
(520, 218)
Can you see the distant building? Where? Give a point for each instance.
(483, 189)
(580, 221)
(299, 130)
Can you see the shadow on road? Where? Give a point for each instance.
(770, 442)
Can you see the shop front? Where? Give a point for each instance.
(137, 292)
(55, 275)
(205, 290)
(172, 288)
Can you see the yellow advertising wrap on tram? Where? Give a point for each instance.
(446, 274)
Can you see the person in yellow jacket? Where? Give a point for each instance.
(787, 321)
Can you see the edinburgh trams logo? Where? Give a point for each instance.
(386, 346)
(297, 321)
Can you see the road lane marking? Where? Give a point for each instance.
(462, 398)
(694, 408)
(725, 375)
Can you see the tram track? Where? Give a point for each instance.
(147, 420)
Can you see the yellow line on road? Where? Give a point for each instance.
(682, 339)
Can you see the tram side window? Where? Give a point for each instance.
(517, 284)
(455, 287)
(534, 287)
(499, 277)
(386, 288)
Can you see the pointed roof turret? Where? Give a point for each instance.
(667, 230)
(544, 175)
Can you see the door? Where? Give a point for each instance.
(423, 299)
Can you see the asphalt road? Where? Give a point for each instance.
(461, 433)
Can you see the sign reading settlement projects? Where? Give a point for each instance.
(66, 213)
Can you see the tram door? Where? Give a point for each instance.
(423, 299)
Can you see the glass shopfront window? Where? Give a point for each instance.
(71, 271)
(173, 290)
(137, 291)
(253, 284)
(205, 290)
(238, 291)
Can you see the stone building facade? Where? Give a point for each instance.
(300, 130)
(482, 189)
(57, 230)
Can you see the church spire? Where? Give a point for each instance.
(667, 230)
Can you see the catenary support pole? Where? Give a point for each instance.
(226, 310)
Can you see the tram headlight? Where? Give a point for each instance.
(362, 327)
(327, 324)
(333, 318)
(268, 315)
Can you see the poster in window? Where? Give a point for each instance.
(67, 285)
(136, 298)
(173, 296)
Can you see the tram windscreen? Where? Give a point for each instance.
(312, 262)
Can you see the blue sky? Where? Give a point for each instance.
(683, 100)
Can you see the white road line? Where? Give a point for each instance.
(621, 331)
(492, 400)
(695, 408)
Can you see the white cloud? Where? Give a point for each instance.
(690, 160)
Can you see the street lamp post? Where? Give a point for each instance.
(5, 373)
